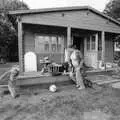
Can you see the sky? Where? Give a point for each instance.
(35, 4)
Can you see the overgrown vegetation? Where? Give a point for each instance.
(8, 29)
(113, 9)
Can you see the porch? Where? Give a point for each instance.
(36, 78)
(51, 41)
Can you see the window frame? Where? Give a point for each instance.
(50, 43)
(91, 43)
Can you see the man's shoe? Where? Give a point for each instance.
(77, 86)
(80, 88)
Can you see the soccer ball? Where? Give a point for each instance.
(53, 88)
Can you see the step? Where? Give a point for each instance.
(34, 78)
(22, 80)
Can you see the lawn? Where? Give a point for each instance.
(68, 103)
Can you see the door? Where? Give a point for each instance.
(91, 51)
(30, 63)
(79, 43)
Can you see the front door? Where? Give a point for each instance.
(91, 50)
(79, 43)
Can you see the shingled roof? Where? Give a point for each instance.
(61, 9)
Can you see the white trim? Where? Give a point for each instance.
(103, 45)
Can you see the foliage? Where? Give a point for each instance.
(113, 9)
(8, 33)
(15, 5)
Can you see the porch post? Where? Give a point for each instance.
(96, 38)
(69, 41)
(103, 46)
(20, 45)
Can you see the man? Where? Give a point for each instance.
(12, 81)
(77, 62)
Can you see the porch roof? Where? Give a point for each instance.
(60, 9)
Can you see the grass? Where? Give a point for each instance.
(101, 103)
(68, 103)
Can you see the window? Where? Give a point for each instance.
(39, 44)
(59, 44)
(48, 43)
(46, 46)
(88, 43)
(93, 43)
(54, 43)
(99, 44)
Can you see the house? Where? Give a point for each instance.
(47, 32)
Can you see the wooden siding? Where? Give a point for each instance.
(29, 42)
(77, 19)
(20, 43)
(36, 79)
(109, 49)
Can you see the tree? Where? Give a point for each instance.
(112, 9)
(15, 5)
(8, 29)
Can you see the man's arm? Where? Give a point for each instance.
(81, 59)
(81, 63)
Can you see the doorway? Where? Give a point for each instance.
(79, 43)
(91, 50)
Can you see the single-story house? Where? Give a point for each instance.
(47, 32)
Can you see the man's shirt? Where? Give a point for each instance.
(68, 53)
(76, 58)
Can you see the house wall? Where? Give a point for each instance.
(29, 43)
(83, 19)
(109, 48)
(54, 21)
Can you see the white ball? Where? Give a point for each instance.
(52, 88)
